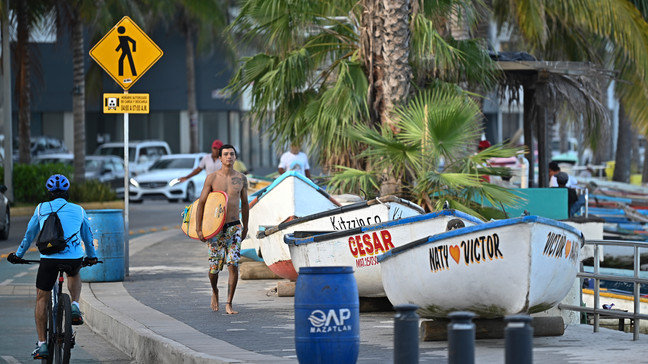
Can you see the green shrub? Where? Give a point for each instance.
(91, 190)
(29, 184)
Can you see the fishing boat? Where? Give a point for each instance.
(359, 247)
(276, 254)
(512, 266)
(256, 183)
(289, 196)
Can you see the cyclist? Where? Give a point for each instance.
(76, 228)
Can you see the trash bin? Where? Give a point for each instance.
(108, 232)
(327, 315)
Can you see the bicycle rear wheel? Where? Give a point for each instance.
(63, 331)
(50, 333)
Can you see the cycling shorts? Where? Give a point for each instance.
(48, 271)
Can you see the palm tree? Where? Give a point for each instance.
(73, 16)
(26, 15)
(202, 24)
(342, 74)
(611, 33)
(431, 156)
(68, 15)
(328, 66)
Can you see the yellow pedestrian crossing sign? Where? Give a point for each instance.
(126, 53)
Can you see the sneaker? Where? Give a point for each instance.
(77, 319)
(40, 352)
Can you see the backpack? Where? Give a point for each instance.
(51, 238)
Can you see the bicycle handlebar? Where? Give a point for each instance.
(85, 262)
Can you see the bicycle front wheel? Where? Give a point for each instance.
(51, 322)
(63, 331)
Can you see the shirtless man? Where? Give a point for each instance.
(225, 247)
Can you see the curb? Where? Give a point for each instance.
(138, 340)
(150, 336)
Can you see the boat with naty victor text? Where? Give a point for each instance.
(513, 266)
(276, 254)
(289, 196)
(359, 247)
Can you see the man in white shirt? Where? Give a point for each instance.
(210, 163)
(294, 160)
(554, 169)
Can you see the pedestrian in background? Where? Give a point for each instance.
(210, 163)
(294, 160)
(562, 178)
(554, 169)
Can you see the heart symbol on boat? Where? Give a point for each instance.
(567, 248)
(454, 252)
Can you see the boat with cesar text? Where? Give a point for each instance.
(359, 247)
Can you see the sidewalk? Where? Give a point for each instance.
(161, 314)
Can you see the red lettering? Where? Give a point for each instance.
(365, 239)
(377, 244)
(368, 244)
(387, 240)
(352, 247)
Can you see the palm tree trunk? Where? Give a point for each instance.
(191, 91)
(394, 46)
(23, 84)
(78, 100)
(385, 42)
(644, 170)
(624, 145)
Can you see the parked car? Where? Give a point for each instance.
(5, 214)
(39, 145)
(161, 180)
(141, 154)
(105, 168)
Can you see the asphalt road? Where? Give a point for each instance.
(17, 291)
(145, 217)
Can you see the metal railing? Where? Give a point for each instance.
(636, 316)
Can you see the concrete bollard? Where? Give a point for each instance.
(461, 338)
(518, 339)
(406, 335)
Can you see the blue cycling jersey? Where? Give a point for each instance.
(75, 223)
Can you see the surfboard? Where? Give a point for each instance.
(213, 216)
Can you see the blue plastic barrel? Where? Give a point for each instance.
(108, 232)
(327, 315)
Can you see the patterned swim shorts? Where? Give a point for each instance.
(225, 247)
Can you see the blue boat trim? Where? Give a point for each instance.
(292, 239)
(260, 193)
(471, 229)
(610, 198)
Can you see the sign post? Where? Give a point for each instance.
(126, 53)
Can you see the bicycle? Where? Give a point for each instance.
(60, 335)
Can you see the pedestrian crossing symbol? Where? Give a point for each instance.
(126, 53)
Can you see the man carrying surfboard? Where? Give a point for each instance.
(225, 246)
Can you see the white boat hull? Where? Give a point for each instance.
(520, 265)
(290, 195)
(276, 253)
(360, 247)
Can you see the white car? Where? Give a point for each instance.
(162, 179)
(141, 153)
